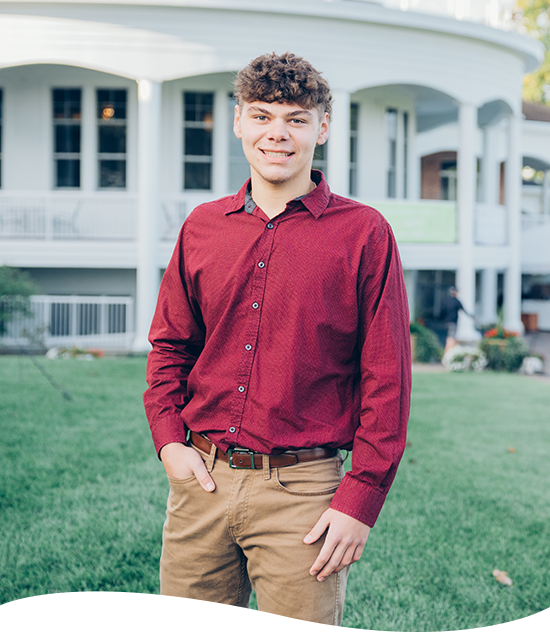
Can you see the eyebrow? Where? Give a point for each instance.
(295, 113)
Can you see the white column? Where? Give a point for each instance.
(512, 281)
(149, 128)
(221, 144)
(88, 141)
(414, 162)
(490, 175)
(488, 296)
(338, 144)
(411, 277)
(466, 197)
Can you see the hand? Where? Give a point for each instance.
(345, 541)
(180, 462)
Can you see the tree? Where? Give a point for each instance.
(16, 287)
(533, 18)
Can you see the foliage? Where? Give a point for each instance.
(427, 345)
(460, 358)
(83, 496)
(15, 289)
(533, 18)
(499, 332)
(504, 354)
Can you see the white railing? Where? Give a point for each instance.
(74, 321)
(490, 225)
(63, 216)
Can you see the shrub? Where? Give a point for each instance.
(427, 344)
(507, 355)
(15, 288)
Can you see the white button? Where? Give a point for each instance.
(241, 389)
(248, 347)
(255, 305)
(232, 429)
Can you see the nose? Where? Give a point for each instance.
(278, 130)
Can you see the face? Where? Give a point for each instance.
(279, 139)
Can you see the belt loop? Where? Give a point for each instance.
(267, 470)
(211, 457)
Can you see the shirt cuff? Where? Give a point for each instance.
(168, 430)
(358, 500)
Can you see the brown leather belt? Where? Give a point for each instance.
(242, 458)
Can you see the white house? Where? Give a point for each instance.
(116, 120)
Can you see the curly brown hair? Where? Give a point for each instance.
(284, 78)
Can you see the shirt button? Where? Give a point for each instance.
(241, 389)
(255, 305)
(248, 347)
(270, 225)
(232, 429)
(261, 264)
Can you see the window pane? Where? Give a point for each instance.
(67, 173)
(112, 173)
(67, 139)
(112, 139)
(197, 175)
(199, 107)
(198, 142)
(111, 104)
(354, 117)
(353, 149)
(67, 103)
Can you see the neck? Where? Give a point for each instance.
(273, 198)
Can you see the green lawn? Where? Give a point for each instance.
(82, 496)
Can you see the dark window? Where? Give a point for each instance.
(198, 124)
(67, 115)
(320, 158)
(111, 138)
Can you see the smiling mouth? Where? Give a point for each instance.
(277, 154)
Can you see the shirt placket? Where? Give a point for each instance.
(259, 278)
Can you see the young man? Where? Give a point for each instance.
(281, 335)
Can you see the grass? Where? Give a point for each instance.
(82, 496)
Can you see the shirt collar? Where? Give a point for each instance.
(315, 201)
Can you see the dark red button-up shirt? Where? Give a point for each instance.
(286, 333)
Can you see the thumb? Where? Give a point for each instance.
(318, 529)
(204, 478)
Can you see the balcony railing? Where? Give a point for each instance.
(74, 321)
(62, 216)
(420, 221)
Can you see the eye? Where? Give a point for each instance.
(298, 121)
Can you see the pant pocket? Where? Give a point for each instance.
(316, 478)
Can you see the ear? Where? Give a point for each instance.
(323, 129)
(237, 122)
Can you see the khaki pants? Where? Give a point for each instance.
(248, 534)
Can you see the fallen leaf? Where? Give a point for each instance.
(512, 450)
(502, 577)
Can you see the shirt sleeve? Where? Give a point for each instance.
(177, 339)
(385, 381)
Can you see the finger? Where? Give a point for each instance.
(332, 564)
(202, 475)
(325, 554)
(353, 554)
(318, 530)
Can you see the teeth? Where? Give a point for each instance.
(275, 154)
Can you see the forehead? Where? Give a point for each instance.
(279, 109)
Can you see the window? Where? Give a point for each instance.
(320, 158)
(198, 123)
(1, 93)
(391, 135)
(448, 179)
(111, 138)
(239, 169)
(353, 134)
(67, 118)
